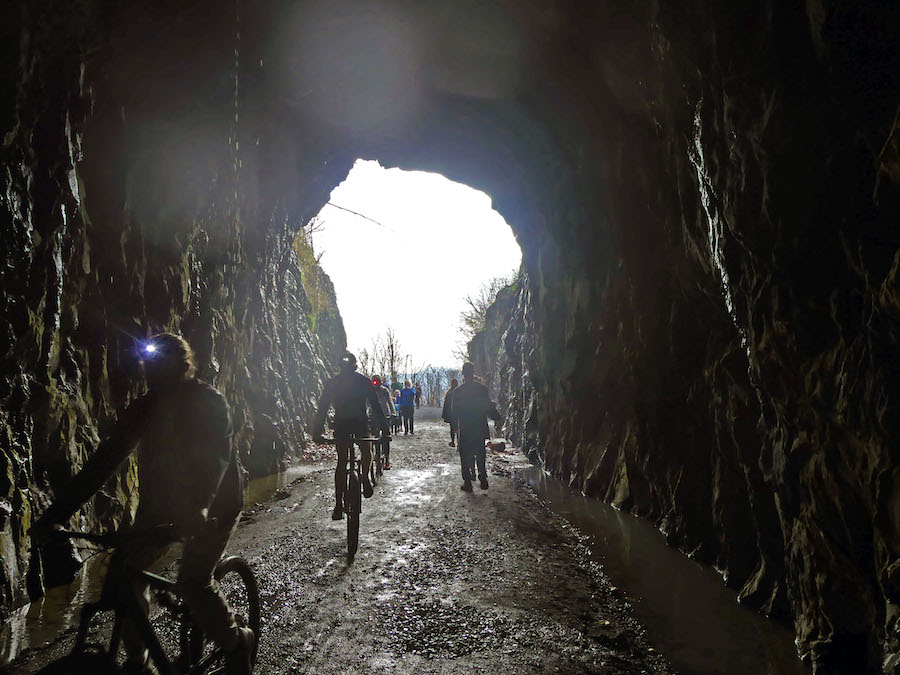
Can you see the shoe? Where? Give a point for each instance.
(367, 488)
(239, 661)
(452, 444)
(387, 466)
(466, 486)
(406, 433)
(482, 482)
(338, 513)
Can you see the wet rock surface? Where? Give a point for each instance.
(444, 581)
(706, 196)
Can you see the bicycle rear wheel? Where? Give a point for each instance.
(353, 507)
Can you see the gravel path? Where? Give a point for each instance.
(444, 581)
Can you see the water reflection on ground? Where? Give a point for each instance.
(689, 614)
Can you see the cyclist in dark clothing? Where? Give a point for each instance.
(349, 392)
(471, 405)
(190, 479)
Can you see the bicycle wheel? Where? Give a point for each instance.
(241, 590)
(378, 463)
(353, 507)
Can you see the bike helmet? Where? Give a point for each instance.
(348, 362)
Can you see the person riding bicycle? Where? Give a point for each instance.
(389, 410)
(348, 392)
(190, 479)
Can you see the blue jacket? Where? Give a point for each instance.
(407, 397)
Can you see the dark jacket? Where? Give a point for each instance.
(446, 413)
(186, 462)
(349, 393)
(470, 407)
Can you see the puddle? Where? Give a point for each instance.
(690, 616)
(42, 620)
(260, 490)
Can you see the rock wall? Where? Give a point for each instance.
(128, 208)
(705, 195)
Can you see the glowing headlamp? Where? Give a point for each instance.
(150, 349)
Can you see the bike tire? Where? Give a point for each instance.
(353, 506)
(235, 575)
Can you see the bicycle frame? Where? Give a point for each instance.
(127, 604)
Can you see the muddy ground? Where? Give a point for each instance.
(444, 581)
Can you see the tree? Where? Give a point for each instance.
(472, 319)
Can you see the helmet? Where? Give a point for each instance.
(348, 362)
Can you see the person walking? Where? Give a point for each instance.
(408, 408)
(446, 412)
(418, 390)
(470, 407)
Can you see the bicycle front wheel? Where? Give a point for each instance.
(238, 583)
(353, 507)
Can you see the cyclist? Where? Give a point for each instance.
(389, 410)
(189, 477)
(348, 392)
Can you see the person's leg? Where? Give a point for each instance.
(482, 469)
(340, 479)
(452, 435)
(125, 560)
(412, 419)
(205, 598)
(465, 462)
(365, 453)
(386, 448)
(405, 413)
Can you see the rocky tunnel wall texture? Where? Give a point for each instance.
(706, 195)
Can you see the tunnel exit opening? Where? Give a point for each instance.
(407, 251)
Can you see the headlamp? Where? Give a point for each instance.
(150, 349)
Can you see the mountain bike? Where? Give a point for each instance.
(353, 491)
(193, 652)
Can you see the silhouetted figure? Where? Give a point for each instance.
(390, 411)
(396, 423)
(189, 478)
(446, 412)
(470, 407)
(408, 408)
(349, 392)
(418, 391)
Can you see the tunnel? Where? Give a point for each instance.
(705, 328)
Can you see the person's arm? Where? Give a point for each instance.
(322, 412)
(121, 442)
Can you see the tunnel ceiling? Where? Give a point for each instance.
(706, 196)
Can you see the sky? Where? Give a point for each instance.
(438, 242)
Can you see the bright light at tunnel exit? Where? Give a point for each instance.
(438, 242)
